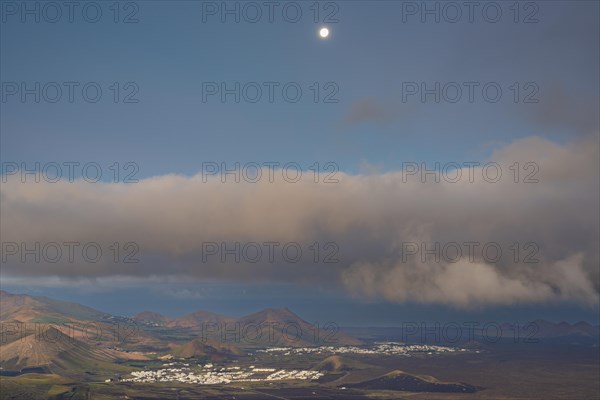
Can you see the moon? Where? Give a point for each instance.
(324, 32)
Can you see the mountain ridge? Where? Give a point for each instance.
(27, 308)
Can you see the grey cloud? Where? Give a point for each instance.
(368, 216)
(567, 109)
(370, 110)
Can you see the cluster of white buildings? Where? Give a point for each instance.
(380, 348)
(208, 375)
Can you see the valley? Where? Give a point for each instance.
(59, 350)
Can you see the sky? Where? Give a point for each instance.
(356, 117)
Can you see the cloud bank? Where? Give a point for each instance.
(370, 217)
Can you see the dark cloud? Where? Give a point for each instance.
(575, 112)
(368, 110)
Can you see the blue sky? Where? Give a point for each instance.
(370, 53)
(170, 54)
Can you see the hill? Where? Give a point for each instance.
(51, 350)
(215, 350)
(151, 331)
(151, 317)
(20, 314)
(549, 329)
(268, 327)
(285, 328)
(24, 308)
(197, 321)
(401, 381)
(337, 363)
